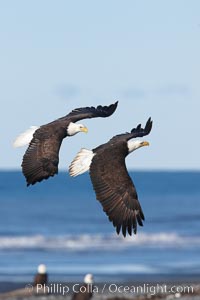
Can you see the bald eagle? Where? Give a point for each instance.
(111, 181)
(84, 291)
(41, 159)
(41, 277)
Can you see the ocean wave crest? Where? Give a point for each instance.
(87, 242)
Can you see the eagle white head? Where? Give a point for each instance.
(74, 128)
(135, 144)
(42, 269)
(88, 279)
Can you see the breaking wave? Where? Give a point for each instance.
(87, 242)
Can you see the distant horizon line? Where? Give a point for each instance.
(62, 170)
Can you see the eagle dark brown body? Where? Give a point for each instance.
(41, 279)
(85, 293)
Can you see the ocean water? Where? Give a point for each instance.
(60, 223)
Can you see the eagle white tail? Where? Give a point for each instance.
(81, 163)
(25, 137)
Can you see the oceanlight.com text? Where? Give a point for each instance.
(149, 289)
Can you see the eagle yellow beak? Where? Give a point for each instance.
(145, 143)
(84, 129)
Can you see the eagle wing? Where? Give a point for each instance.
(135, 132)
(90, 112)
(115, 189)
(40, 160)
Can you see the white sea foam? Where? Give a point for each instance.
(86, 242)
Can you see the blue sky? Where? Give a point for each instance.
(59, 55)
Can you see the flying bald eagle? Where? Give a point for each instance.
(41, 159)
(111, 181)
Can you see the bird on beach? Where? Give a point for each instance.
(41, 159)
(112, 184)
(84, 291)
(41, 277)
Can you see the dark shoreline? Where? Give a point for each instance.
(18, 290)
(140, 279)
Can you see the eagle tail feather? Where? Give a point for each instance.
(25, 137)
(81, 163)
